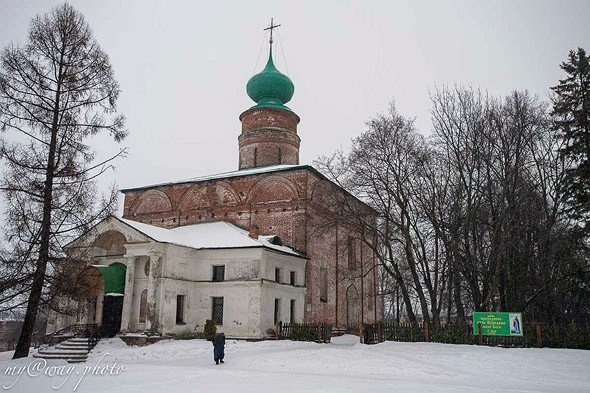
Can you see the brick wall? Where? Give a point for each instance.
(269, 137)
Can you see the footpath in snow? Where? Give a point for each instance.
(287, 366)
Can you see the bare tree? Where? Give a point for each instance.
(385, 168)
(507, 234)
(472, 219)
(55, 92)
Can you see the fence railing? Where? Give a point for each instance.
(535, 334)
(321, 333)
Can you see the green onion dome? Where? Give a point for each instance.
(270, 88)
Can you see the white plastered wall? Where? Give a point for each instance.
(248, 289)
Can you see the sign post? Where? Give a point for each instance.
(497, 323)
(480, 336)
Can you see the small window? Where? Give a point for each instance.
(218, 273)
(277, 311)
(293, 278)
(323, 281)
(292, 316)
(278, 275)
(180, 309)
(217, 310)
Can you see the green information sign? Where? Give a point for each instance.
(498, 323)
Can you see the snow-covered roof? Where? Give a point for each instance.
(206, 235)
(225, 175)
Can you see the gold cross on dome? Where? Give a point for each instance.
(271, 27)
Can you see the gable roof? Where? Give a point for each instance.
(206, 235)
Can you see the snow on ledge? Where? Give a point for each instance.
(224, 175)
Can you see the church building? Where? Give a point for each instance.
(249, 248)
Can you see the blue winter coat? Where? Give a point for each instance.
(218, 346)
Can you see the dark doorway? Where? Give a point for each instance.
(112, 309)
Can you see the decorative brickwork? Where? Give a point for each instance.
(269, 137)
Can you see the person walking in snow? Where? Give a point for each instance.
(219, 347)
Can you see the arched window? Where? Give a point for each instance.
(143, 306)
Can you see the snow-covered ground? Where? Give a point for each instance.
(342, 366)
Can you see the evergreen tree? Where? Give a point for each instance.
(571, 108)
(210, 329)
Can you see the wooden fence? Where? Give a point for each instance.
(534, 335)
(304, 332)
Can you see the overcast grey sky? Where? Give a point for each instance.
(183, 66)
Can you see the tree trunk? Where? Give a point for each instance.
(401, 285)
(412, 265)
(26, 336)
